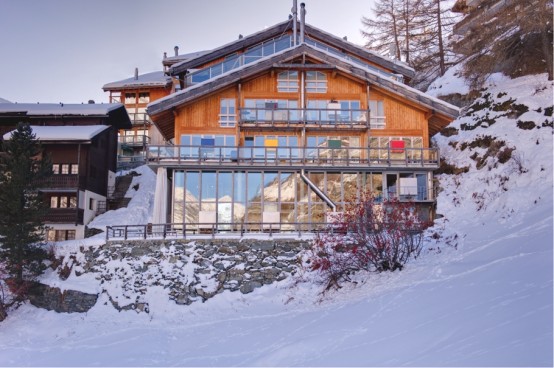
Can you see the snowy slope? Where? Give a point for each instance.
(487, 301)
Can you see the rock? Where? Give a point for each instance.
(70, 301)
(249, 286)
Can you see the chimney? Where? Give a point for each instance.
(240, 36)
(345, 38)
(91, 102)
(294, 21)
(176, 48)
(302, 21)
(165, 55)
(136, 73)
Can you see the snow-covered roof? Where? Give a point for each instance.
(2, 100)
(152, 79)
(64, 133)
(59, 109)
(183, 57)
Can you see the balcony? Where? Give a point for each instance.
(64, 216)
(133, 140)
(140, 119)
(61, 182)
(295, 157)
(295, 118)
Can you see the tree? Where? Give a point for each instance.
(22, 167)
(417, 32)
(370, 236)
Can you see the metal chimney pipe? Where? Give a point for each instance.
(136, 73)
(176, 48)
(294, 22)
(302, 21)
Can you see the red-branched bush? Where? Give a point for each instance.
(368, 235)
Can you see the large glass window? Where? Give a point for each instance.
(144, 97)
(227, 113)
(287, 81)
(130, 98)
(316, 82)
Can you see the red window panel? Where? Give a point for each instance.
(397, 146)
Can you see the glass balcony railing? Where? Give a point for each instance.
(134, 140)
(310, 116)
(331, 155)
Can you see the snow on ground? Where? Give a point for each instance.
(488, 302)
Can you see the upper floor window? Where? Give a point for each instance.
(377, 114)
(130, 98)
(65, 169)
(144, 97)
(316, 82)
(287, 81)
(227, 113)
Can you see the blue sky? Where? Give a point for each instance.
(66, 50)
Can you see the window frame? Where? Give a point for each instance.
(287, 83)
(227, 113)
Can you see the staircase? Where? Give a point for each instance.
(117, 198)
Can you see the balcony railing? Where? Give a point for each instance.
(134, 140)
(293, 156)
(61, 181)
(310, 117)
(64, 215)
(140, 118)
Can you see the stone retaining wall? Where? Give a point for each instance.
(189, 270)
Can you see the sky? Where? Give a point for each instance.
(66, 50)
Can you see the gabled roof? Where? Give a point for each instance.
(152, 79)
(114, 114)
(2, 100)
(251, 70)
(64, 133)
(279, 29)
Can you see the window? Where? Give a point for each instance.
(91, 204)
(227, 114)
(376, 114)
(63, 201)
(287, 81)
(74, 169)
(316, 82)
(130, 98)
(61, 235)
(56, 169)
(65, 169)
(144, 97)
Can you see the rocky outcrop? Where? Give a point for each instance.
(67, 301)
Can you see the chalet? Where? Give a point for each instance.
(286, 126)
(135, 93)
(81, 141)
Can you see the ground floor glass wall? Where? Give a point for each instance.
(248, 198)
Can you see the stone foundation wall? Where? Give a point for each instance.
(188, 271)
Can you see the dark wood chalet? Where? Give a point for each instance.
(81, 141)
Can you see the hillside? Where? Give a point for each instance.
(481, 295)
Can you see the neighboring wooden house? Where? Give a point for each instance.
(282, 128)
(81, 141)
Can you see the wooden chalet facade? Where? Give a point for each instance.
(81, 141)
(281, 129)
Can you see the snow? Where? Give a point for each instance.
(484, 300)
(60, 109)
(151, 79)
(62, 133)
(449, 84)
(3, 101)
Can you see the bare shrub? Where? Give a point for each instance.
(371, 236)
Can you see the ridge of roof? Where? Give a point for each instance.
(151, 79)
(255, 38)
(64, 133)
(367, 74)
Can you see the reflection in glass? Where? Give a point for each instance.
(178, 197)
(225, 187)
(208, 186)
(287, 186)
(254, 188)
(334, 187)
(350, 185)
(271, 187)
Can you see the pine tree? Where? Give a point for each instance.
(22, 167)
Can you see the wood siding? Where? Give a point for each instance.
(403, 118)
